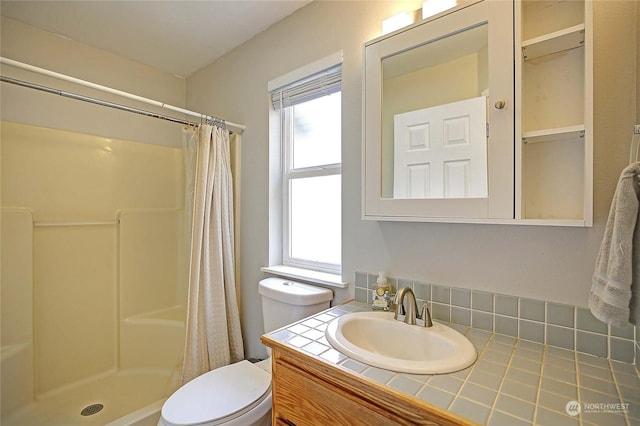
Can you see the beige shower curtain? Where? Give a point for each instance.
(213, 335)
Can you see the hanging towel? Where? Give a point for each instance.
(615, 290)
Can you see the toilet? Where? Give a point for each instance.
(240, 394)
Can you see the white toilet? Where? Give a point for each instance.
(240, 394)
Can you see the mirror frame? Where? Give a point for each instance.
(501, 141)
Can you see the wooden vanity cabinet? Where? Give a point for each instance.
(309, 392)
(301, 399)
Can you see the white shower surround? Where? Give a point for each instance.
(156, 338)
(93, 309)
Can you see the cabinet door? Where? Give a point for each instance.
(462, 55)
(302, 400)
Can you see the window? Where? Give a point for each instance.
(310, 141)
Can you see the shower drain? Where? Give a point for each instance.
(91, 409)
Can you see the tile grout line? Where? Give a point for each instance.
(466, 379)
(577, 364)
(618, 391)
(539, 391)
(504, 377)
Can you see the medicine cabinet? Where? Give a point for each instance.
(481, 114)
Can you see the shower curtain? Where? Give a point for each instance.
(213, 335)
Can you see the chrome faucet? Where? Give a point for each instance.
(411, 312)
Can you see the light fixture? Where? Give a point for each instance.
(398, 21)
(433, 7)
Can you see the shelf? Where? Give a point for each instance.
(560, 133)
(568, 38)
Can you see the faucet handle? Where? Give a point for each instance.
(425, 315)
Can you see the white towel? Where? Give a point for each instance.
(615, 290)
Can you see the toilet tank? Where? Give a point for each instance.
(285, 301)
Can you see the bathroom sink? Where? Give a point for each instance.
(377, 339)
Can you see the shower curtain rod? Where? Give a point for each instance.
(232, 126)
(100, 102)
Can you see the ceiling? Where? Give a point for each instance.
(178, 36)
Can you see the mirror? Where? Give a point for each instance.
(434, 118)
(460, 60)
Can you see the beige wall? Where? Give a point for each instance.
(550, 263)
(35, 47)
(112, 173)
(70, 275)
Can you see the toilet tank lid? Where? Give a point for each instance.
(292, 292)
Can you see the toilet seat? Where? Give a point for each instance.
(218, 396)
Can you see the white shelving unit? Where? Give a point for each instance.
(554, 149)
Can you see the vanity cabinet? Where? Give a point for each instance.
(301, 399)
(531, 61)
(308, 392)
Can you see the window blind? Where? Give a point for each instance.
(317, 85)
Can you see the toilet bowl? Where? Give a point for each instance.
(234, 395)
(240, 394)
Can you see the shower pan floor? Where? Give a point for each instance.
(120, 393)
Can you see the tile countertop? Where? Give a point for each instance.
(513, 382)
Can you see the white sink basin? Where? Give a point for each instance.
(375, 338)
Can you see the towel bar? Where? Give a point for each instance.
(634, 155)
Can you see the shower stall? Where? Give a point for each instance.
(94, 261)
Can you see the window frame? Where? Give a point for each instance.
(289, 174)
(312, 81)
